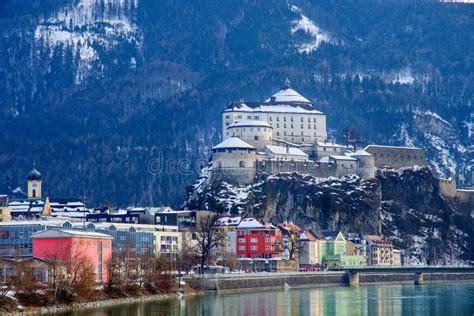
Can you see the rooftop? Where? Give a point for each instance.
(391, 147)
(286, 94)
(250, 123)
(286, 150)
(233, 142)
(64, 233)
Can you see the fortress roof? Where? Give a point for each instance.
(233, 142)
(286, 94)
(286, 150)
(249, 123)
(360, 152)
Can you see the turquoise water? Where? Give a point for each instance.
(428, 299)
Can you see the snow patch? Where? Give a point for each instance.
(306, 25)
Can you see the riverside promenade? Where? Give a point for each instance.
(389, 275)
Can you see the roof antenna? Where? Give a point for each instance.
(287, 82)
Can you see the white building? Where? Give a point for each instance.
(285, 153)
(292, 117)
(254, 132)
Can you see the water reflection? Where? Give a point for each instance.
(429, 299)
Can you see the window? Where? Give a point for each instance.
(302, 126)
(249, 117)
(267, 239)
(239, 116)
(284, 119)
(227, 117)
(241, 239)
(241, 247)
(309, 126)
(291, 125)
(268, 248)
(284, 125)
(309, 120)
(241, 164)
(253, 248)
(270, 118)
(314, 126)
(256, 118)
(256, 137)
(278, 125)
(253, 240)
(301, 119)
(291, 118)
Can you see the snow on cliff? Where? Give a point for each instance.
(307, 26)
(88, 26)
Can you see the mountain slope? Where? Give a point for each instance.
(99, 93)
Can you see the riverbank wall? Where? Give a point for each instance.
(261, 281)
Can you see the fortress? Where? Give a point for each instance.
(286, 133)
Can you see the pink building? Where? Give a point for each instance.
(71, 245)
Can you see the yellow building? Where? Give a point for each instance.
(5, 211)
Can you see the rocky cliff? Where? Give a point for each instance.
(405, 206)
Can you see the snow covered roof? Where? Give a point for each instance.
(229, 221)
(272, 107)
(324, 160)
(286, 94)
(233, 142)
(280, 150)
(391, 147)
(342, 157)
(325, 144)
(360, 152)
(249, 123)
(250, 222)
(64, 233)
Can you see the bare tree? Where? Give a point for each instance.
(207, 238)
(186, 258)
(229, 260)
(351, 137)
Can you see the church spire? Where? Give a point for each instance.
(287, 83)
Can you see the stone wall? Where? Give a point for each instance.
(447, 187)
(396, 157)
(243, 282)
(316, 169)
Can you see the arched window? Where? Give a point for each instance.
(242, 164)
(219, 164)
(34, 193)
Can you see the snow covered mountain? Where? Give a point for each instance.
(96, 91)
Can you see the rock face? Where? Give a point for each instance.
(405, 206)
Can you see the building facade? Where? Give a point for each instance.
(293, 118)
(257, 240)
(71, 246)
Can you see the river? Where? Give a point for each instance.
(428, 299)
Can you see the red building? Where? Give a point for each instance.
(256, 240)
(72, 245)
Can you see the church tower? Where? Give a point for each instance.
(34, 184)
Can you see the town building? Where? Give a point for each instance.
(257, 240)
(185, 220)
(5, 210)
(227, 225)
(71, 246)
(308, 251)
(379, 251)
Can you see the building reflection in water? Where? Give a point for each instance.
(429, 299)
